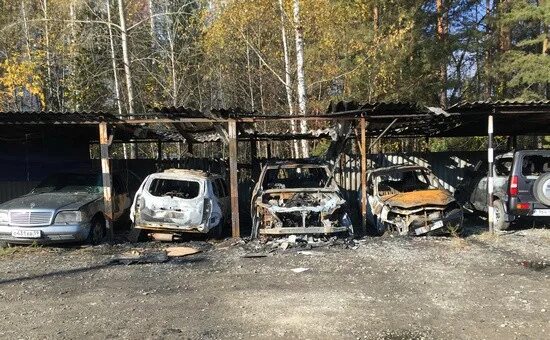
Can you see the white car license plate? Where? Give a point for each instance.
(25, 233)
(541, 212)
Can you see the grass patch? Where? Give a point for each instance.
(10, 249)
(489, 237)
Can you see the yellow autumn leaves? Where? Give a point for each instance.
(19, 78)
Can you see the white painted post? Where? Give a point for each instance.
(490, 175)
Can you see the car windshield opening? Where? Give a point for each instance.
(403, 181)
(174, 188)
(295, 178)
(535, 165)
(70, 183)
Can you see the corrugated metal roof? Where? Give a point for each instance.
(499, 104)
(55, 118)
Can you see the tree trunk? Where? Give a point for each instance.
(115, 73)
(126, 57)
(489, 52)
(504, 42)
(302, 95)
(375, 19)
(127, 69)
(250, 86)
(72, 49)
(545, 49)
(442, 32)
(288, 81)
(26, 29)
(49, 84)
(113, 60)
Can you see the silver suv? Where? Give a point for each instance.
(182, 201)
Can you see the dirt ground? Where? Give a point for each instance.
(481, 286)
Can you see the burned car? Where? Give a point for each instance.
(409, 200)
(181, 201)
(298, 197)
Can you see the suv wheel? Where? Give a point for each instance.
(541, 189)
(500, 222)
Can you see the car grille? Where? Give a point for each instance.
(30, 218)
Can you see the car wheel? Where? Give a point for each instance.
(541, 189)
(97, 232)
(217, 231)
(500, 222)
(378, 228)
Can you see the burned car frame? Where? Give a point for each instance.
(298, 197)
(409, 200)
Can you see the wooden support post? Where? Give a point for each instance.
(107, 183)
(233, 178)
(159, 151)
(490, 175)
(180, 149)
(364, 173)
(254, 158)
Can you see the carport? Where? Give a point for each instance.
(228, 126)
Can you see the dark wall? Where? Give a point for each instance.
(35, 158)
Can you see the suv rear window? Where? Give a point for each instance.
(174, 188)
(535, 165)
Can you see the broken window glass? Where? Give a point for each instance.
(174, 188)
(294, 178)
(403, 181)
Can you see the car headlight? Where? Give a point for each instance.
(68, 217)
(4, 217)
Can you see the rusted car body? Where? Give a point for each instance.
(298, 198)
(409, 200)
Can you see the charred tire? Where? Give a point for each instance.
(500, 222)
(541, 189)
(97, 231)
(378, 228)
(217, 231)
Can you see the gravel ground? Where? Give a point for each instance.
(481, 286)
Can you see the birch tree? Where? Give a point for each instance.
(288, 81)
(301, 79)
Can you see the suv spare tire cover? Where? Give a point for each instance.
(541, 189)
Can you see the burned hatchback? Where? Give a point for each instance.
(409, 200)
(298, 197)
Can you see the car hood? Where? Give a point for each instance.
(54, 201)
(407, 200)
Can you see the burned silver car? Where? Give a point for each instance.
(409, 200)
(182, 201)
(298, 198)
